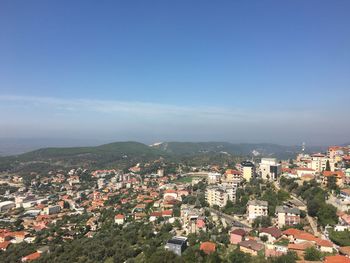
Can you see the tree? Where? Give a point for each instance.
(327, 215)
(262, 221)
(312, 254)
(313, 206)
(290, 257)
(214, 258)
(341, 238)
(328, 166)
(332, 183)
(264, 238)
(239, 257)
(229, 207)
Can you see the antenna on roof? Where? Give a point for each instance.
(303, 147)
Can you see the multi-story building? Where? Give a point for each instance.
(247, 169)
(214, 178)
(269, 168)
(233, 177)
(219, 195)
(319, 162)
(287, 216)
(257, 208)
(335, 153)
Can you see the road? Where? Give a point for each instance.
(229, 219)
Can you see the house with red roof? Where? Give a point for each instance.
(119, 219)
(237, 235)
(272, 233)
(4, 245)
(208, 247)
(31, 257)
(339, 175)
(167, 213)
(336, 259)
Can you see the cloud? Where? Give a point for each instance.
(154, 121)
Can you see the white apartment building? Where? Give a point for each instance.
(269, 168)
(219, 195)
(257, 208)
(319, 162)
(233, 177)
(214, 178)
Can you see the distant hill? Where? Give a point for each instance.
(247, 149)
(124, 154)
(121, 154)
(117, 148)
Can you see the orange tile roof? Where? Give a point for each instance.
(337, 259)
(300, 246)
(291, 231)
(338, 174)
(208, 247)
(119, 216)
(167, 213)
(4, 245)
(32, 256)
(232, 171)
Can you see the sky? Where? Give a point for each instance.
(184, 70)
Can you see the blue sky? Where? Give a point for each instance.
(239, 71)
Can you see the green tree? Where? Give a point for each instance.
(264, 238)
(341, 238)
(262, 221)
(332, 183)
(328, 166)
(327, 215)
(239, 257)
(313, 254)
(290, 257)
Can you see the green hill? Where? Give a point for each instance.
(119, 154)
(117, 148)
(243, 149)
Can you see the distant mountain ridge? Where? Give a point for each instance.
(255, 149)
(122, 154)
(173, 148)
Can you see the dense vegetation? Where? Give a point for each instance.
(341, 238)
(315, 198)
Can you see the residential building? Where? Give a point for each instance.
(269, 169)
(247, 169)
(119, 219)
(345, 194)
(233, 177)
(257, 208)
(251, 247)
(287, 216)
(219, 195)
(237, 235)
(336, 259)
(177, 245)
(339, 175)
(50, 210)
(214, 178)
(319, 162)
(301, 171)
(272, 233)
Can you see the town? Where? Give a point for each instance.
(255, 210)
